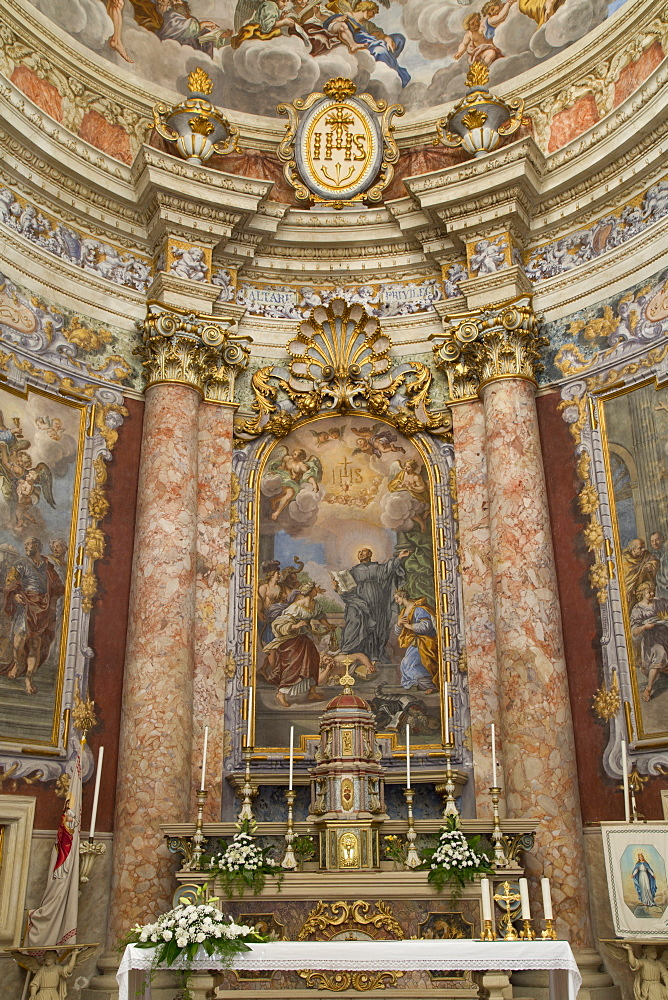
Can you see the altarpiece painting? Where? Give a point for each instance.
(344, 507)
(634, 430)
(40, 473)
(346, 578)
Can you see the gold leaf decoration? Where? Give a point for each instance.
(200, 125)
(474, 119)
(606, 702)
(339, 88)
(199, 82)
(83, 713)
(478, 75)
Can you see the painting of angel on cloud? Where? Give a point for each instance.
(262, 52)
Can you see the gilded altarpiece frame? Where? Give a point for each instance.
(56, 438)
(360, 467)
(618, 417)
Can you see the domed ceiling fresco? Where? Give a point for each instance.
(262, 52)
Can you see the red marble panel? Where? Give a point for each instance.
(42, 93)
(572, 122)
(110, 138)
(635, 74)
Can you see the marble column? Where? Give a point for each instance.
(212, 584)
(468, 434)
(538, 747)
(154, 770)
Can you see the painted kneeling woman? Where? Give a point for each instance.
(416, 631)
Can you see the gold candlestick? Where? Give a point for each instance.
(248, 792)
(549, 934)
(508, 897)
(500, 859)
(289, 861)
(199, 838)
(88, 851)
(488, 932)
(412, 856)
(450, 788)
(527, 933)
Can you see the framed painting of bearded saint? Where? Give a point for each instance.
(345, 580)
(41, 449)
(634, 431)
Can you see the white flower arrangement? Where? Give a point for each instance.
(243, 864)
(455, 859)
(191, 926)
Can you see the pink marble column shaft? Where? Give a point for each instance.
(538, 747)
(154, 769)
(212, 584)
(468, 432)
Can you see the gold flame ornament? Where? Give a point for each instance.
(195, 126)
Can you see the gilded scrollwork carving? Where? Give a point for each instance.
(329, 919)
(481, 346)
(340, 363)
(192, 349)
(360, 981)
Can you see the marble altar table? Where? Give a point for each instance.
(554, 956)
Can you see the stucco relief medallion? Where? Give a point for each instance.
(340, 148)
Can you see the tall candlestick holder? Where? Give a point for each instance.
(289, 861)
(199, 839)
(508, 897)
(88, 851)
(498, 839)
(549, 934)
(527, 933)
(412, 856)
(248, 792)
(449, 788)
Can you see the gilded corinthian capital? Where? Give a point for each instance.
(481, 346)
(194, 349)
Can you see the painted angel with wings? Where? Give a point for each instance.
(288, 473)
(37, 482)
(377, 439)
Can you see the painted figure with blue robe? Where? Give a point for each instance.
(416, 632)
(644, 881)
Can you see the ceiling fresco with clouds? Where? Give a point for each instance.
(262, 52)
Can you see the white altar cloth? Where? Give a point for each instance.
(554, 956)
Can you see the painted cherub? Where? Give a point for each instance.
(477, 43)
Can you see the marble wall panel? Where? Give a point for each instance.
(212, 584)
(539, 753)
(468, 429)
(156, 735)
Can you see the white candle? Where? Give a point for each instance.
(250, 716)
(96, 793)
(625, 778)
(292, 753)
(495, 782)
(447, 716)
(524, 899)
(547, 898)
(485, 899)
(408, 756)
(206, 743)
